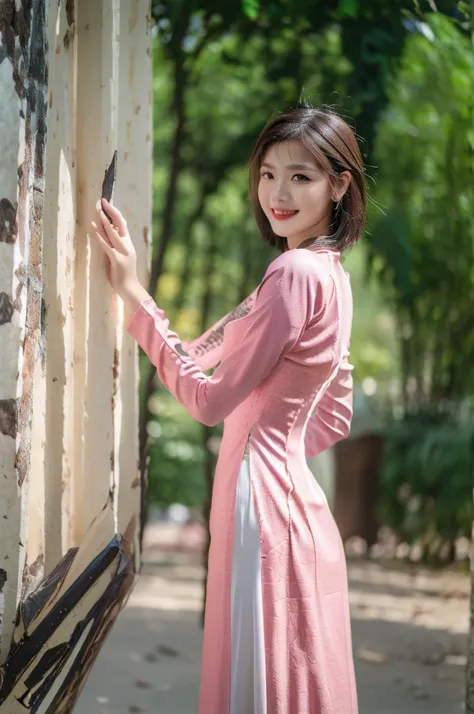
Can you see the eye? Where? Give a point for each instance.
(266, 175)
(300, 177)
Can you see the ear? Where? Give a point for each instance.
(342, 184)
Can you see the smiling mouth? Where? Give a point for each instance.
(282, 215)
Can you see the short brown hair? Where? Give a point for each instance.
(334, 146)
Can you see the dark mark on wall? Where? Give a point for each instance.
(8, 225)
(70, 12)
(40, 143)
(3, 578)
(7, 9)
(68, 38)
(42, 342)
(115, 386)
(71, 30)
(9, 417)
(38, 50)
(6, 309)
(15, 25)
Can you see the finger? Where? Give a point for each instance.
(100, 230)
(108, 250)
(111, 232)
(117, 217)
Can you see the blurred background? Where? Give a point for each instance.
(401, 72)
(404, 80)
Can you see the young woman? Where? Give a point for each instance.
(277, 634)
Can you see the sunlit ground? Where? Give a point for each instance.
(408, 625)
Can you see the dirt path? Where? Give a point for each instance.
(408, 630)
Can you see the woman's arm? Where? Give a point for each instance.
(206, 350)
(283, 302)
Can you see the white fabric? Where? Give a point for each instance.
(248, 687)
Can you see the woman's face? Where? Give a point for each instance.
(294, 193)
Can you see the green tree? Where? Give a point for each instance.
(422, 251)
(423, 247)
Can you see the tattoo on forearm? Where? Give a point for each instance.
(216, 337)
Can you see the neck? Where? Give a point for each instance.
(319, 233)
(320, 242)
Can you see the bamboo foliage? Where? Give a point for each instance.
(75, 80)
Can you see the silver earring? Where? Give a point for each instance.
(338, 205)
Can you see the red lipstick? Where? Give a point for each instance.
(282, 214)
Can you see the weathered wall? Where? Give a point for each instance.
(23, 88)
(75, 84)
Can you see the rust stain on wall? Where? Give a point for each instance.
(37, 566)
(115, 375)
(22, 463)
(20, 276)
(134, 15)
(31, 573)
(9, 417)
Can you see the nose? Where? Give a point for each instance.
(280, 192)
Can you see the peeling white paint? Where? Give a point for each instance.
(78, 453)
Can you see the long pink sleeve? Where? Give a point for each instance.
(331, 419)
(272, 328)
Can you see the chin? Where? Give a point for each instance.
(278, 231)
(279, 228)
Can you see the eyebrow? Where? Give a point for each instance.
(293, 167)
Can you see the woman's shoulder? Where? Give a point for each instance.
(303, 264)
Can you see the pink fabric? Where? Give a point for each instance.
(281, 364)
(330, 421)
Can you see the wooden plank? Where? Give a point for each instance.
(134, 198)
(58, 260)
(96, 360)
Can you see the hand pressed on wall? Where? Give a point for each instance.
(115, 241)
